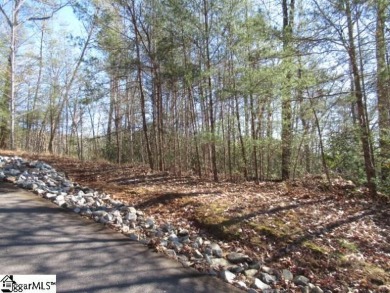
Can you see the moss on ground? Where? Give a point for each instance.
(350, 246)
(319, 249)
(213, 217)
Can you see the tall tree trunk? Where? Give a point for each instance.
(383, 91)
(131, 10)
(4, 107)
(13, 24)
(363, 127)
(288, 20)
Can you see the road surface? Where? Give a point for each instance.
(37, 237)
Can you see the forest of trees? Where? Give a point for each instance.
(223, 89)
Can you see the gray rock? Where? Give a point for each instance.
(173, 237)
(170, 253)
(384, 288)
(182, 232)
(177, 246)
(220, 262)
(216, 250)
(31, 186)
(228, 276)
(134, 236)
(13, 172)
(108, 217)
(258, 284)
(60, 198)
(266, 269)
(199, 241)
(208, 251)
(39, 191)
(125, 229)
(267, 278)
(208, 259)
(149, 223)
(305, 289)
(86, 212)
(184, 239)
(182, 258)
(198, 254)
(236, 257)
(61, 203)
(236, 269)
(316, 289)
(115, 202)
(250, 273)
(50, 195)
(77, 210)
(301, 280)
(131, 217)
(254, 265)
(118, 220)
(242, 285)
(132, 210)
(103, 220)
(166, 227)
(287, 275)
(159, 233)
(99, 213)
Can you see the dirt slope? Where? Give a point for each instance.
(340, 239)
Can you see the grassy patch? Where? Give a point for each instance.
(315, 247)
(270, 230)
(213, 217)
(277, 229)
(370, 273)
(350, 246)
(375, 274)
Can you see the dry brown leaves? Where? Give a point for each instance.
(340, 240)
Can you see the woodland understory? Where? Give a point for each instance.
(264, 123)
(238, 90)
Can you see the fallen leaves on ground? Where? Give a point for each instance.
(339, 238)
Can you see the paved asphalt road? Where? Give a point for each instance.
(37, 237)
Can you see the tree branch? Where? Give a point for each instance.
(6, 17)
(49, 16)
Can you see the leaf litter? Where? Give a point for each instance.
(340, 239)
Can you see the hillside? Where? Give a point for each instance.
(339, 239)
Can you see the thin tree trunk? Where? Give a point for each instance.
(209, 91)
(68, 87)
(253, 128)
(324, 165)
(243, 152)
(31, 114)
